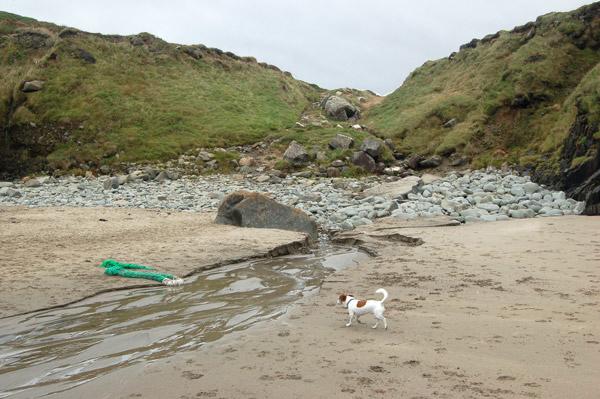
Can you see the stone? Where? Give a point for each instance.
(341, 142)
(333, 172)
(428, 178)
(373, 147)
(161, 177)
(296, 154)
(364, 160)
(85, 56)
(338, 163)
(205, 156)
(339, 108)
(396, 189)
(357, 127)
(248, 209)
(32, 86)
(489, 187)
(263, 178)
(6, 184)
(413, 161)
(517, 191)
(531, 187)
(450, 123)
(521, 213)
(9, 192)
(111, 183)
(247, 161)
(431, 162)
(488, 207)
(32, 183)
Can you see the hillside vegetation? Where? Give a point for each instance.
(127, 98)
(512, 96)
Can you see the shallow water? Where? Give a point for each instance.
(55, 350)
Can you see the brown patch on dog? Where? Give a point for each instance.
(342, 298)
(361, 303)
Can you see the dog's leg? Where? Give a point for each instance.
(376, 323)
(350, 320)
(384, 323)
(358, 320)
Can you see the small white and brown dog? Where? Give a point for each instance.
(357, 308)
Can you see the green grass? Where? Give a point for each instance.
(555, 69)
(146, 102)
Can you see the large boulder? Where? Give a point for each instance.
(247, 209)
(296, 154)
(373, 147)
(341, 142)
(339, 108)
(365, 161)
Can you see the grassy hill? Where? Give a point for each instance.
(127, 98)
(514, 95)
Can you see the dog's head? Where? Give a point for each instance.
(343, 297)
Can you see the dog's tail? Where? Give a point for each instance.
(383, 292)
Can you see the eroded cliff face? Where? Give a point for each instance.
(580, 163)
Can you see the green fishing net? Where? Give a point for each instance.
(132, 270)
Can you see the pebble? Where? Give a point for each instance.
(335, 204)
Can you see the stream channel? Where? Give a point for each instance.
(56, 350)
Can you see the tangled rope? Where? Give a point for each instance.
(114, 268)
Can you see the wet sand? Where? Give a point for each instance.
(49, 256)
(500, 310)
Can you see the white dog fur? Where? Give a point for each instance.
(358, 308)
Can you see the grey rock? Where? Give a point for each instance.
(9, 192)
(341, 142)
(364, 160)
(247, 209)
(296, 154)
(517, 191)
(431, 162)
(32, 86)
(373, 147)
(339, 108)
(521, 213)
(531, 187)
(33, 183)
(450, 123)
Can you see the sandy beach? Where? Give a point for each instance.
(49, 255)
(501, 310)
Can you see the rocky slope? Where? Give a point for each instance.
(528, 96)
(70, 98)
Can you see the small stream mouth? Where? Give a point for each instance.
(55, 350)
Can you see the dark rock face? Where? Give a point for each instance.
(365, 161)
(247, 209)
(582, 181)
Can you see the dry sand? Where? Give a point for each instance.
(48, 255)
(499, 310)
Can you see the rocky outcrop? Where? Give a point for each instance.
(339, 108)
(247, 209)
(580, 164)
